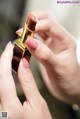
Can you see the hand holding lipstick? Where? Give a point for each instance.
(60, 68)
(34, 106)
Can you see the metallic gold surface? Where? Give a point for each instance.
(25, 34)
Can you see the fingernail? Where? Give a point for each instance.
(26, 63)
(8, 44)
(31, 43)
(19, 32)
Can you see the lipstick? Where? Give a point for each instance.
(20, 48)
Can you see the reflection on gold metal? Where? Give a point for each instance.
(25, 34)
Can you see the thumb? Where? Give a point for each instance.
(27, 82)
(41, 52)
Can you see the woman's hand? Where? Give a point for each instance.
(57, 53)
(35, 106)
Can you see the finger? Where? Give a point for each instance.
(45, 77)
(43, 35)
(41, 14)
(47, 23)
(27, 82)
(6, 58)
(41, 52)
(19, 32)
(7, 86)
(38, 14)
(52, 28)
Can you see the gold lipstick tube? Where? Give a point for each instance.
(20, 49)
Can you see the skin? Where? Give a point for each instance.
(57, 54)
(34, 106)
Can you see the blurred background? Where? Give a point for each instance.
(13, 14)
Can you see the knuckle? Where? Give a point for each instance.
(48, 13)
(42, 100)
(27, 79)
(72, 44)
(43, 103)
(45, 56)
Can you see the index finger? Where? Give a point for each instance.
(7, 85)
(41, 14)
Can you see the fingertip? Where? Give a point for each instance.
(32, 43)
(9, 47)
(19, 31)
(8, 44)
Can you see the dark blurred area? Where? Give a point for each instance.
(11, 15)
(11, 12)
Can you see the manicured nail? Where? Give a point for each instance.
(26, 63)
(31, 43)
(19, 32)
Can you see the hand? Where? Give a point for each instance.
(35, 106)
(57, 53)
